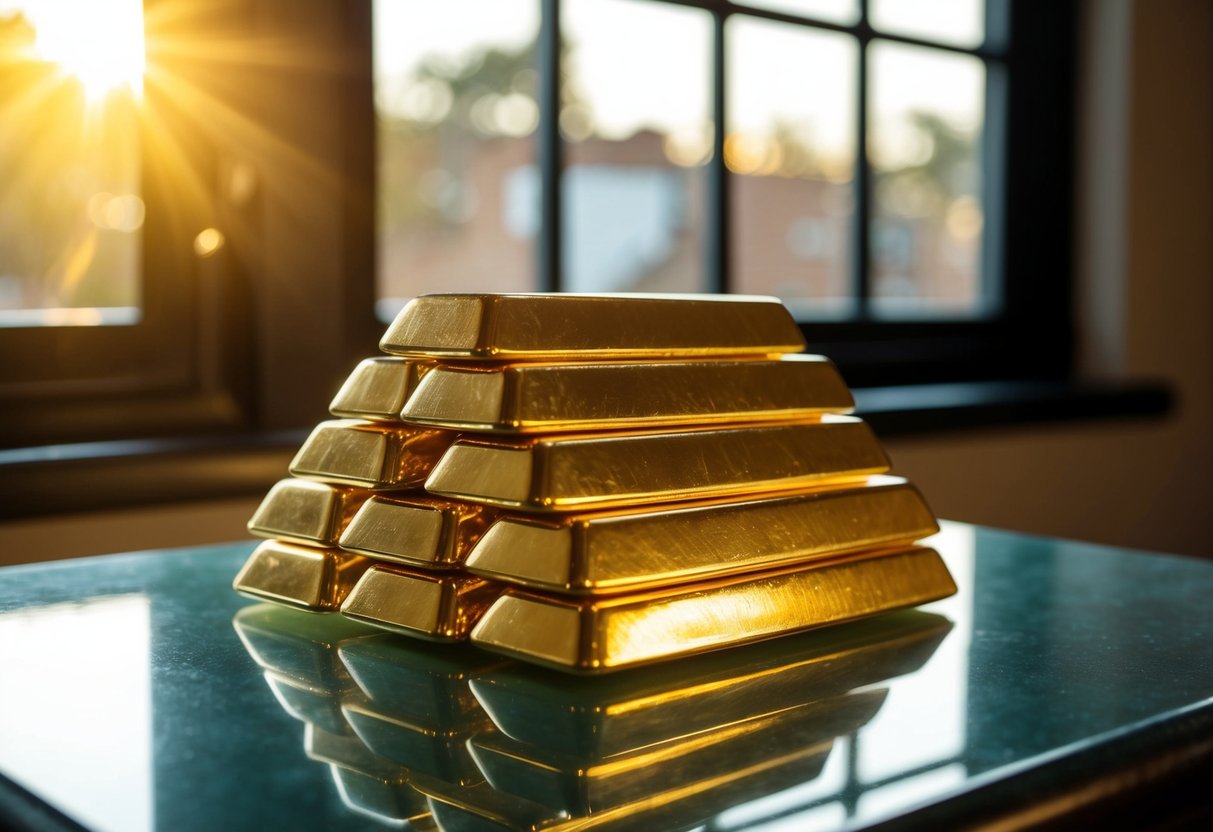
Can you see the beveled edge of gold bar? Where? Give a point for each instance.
(634, 549)
(303, 577)
(532, 326)
(378, 388)
(591, 471)
(440, 606)
(370, 454)
(547, 397)
(304, 511)
(418, 530)
(603, 633)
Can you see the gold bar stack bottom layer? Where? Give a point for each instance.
(594, 482)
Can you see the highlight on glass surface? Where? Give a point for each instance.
(71, 210)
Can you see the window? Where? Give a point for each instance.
(878, 165)
(292, 171)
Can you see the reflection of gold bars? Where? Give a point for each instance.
(582, 786)
(559, 397)
(435, 605)
(390, 800)
(580, 327)
(297, 644)
(437, 751)
(685, 806)
(428, 531)
(604, 716)
(318, 706)
(377, 389)
(371, 455)
(312, 513)
(595, 634)
(348, 752)
(415, 680)
(605, 470)
(629, 550)
(311, 579)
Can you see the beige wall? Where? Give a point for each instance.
(1146, 288)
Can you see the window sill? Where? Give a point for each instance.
(95, 476)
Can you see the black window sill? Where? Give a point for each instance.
(95, 476)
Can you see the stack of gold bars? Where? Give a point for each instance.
(594, 482)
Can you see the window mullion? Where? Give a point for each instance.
(549, 149)
(862, 182)
(717, 238)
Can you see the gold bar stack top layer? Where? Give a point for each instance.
(580, 328)
(593, 482)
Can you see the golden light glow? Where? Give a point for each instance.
(101, 44)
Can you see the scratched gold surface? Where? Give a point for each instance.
(591, 327)
(589, 471)
(307, 512)
(627, 550)
(370, 455)
(419, 530)
(299, 576)
(606, 633)
(562, 397)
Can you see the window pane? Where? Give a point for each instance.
(636, 116)
(961, 22)
(925, 147)
(455, 100)
(791, 147)
(71, 80)
(837, 11)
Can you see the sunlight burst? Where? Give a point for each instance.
(101, 44)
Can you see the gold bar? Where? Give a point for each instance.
(442, 606)
(425, 531)
(561, 397)
(601, 717)
(620, 551)
(423, 683)
(605, 470)
(581, 787)
(302, 511)
(591, 327)
(297, 644)
(606, 633)
(298, 576)
(353, 452)
(377, 389)
(440, 753)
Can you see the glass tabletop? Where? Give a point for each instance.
(139, 692)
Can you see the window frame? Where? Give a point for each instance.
(269, 327)
(1026, 248)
